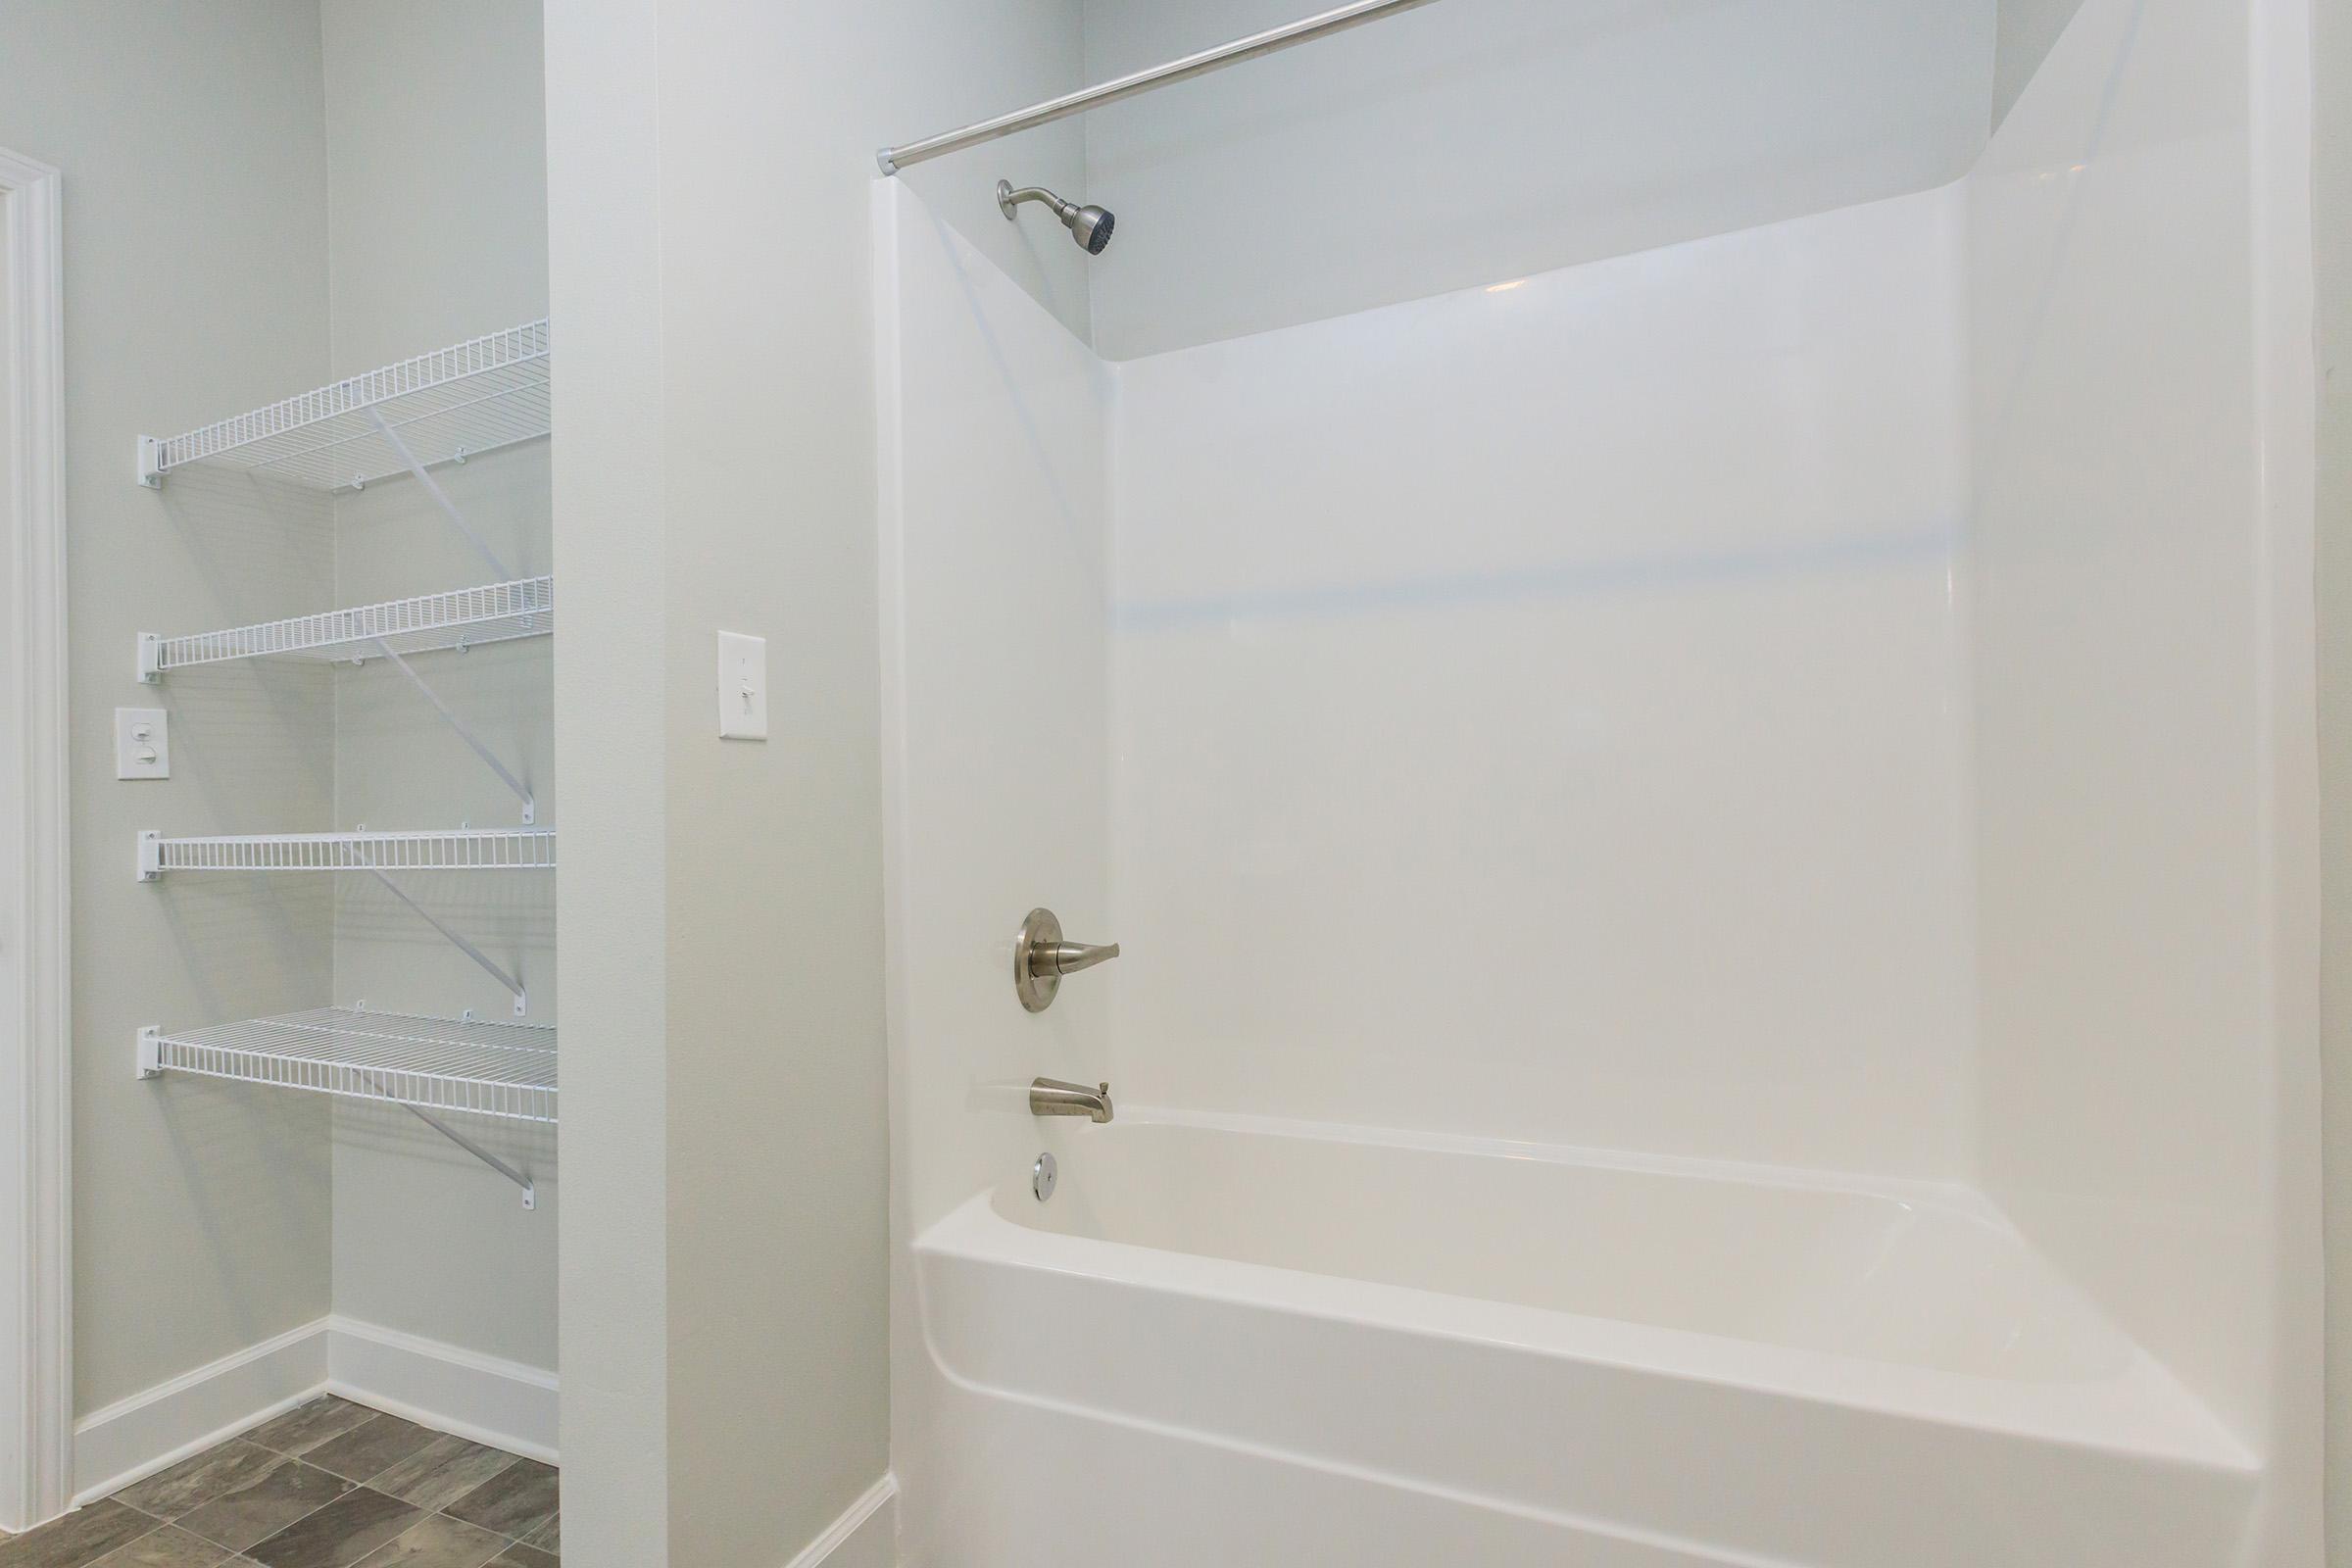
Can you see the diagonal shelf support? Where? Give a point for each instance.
(530, 807)
(432, 487)
(531, 1189)
(489, 965)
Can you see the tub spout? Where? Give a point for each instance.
(1050, 1097)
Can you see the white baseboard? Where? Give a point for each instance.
(865, 1537)
(503, 1403)
(151, 1431)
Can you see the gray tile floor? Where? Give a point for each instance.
(329, 1484)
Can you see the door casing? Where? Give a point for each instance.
(37, 1320)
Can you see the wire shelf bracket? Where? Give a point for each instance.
(424, 1066)
(470, 398)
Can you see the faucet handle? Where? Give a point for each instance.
(1041, 958)
(1068, 957)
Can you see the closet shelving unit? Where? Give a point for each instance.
(462, 850)
(426, 1065)
(460, 619)
(483, 1069)
(449, 405)
(445, 406)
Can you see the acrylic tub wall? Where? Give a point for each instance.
(1570, 674)
(2139, 579)
(1810, 697)
(996, 700)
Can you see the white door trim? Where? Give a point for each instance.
(37, 1320)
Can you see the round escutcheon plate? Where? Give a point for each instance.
(1042, 930)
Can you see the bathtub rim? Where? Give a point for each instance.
(2140, 1411)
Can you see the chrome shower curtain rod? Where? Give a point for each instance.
(1305, 31)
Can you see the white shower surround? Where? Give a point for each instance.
(1482, 663)
(1358, 678)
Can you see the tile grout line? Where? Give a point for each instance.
(154, 1525)
(285, 1458)
(282, 1457)
(423, 1513)
(245, 1553)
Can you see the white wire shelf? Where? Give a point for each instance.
(484, 1069)
(472, 397)
(463, 617)
(466, 850)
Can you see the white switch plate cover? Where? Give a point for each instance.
(742, 687)
(143, 744)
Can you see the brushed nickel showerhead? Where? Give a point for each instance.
(1090, 227)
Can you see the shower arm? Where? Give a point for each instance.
(1008, 200)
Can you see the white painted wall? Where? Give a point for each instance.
(436, 162)
(1538, 711)
(724, 1257)
(2142, 745)
(611, 900)
(436, 165)
(195, 252)
(1460, 145)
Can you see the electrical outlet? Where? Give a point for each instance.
(742, 687)
(143, 744)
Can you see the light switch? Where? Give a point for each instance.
(143, 744)
(742, 687)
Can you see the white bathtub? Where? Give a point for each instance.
(1257, 1347)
